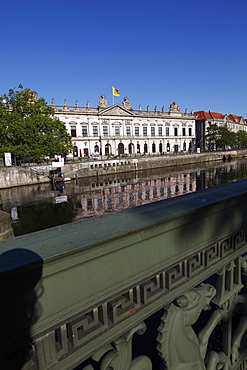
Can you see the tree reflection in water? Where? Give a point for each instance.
(38, 207)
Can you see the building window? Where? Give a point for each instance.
(145, 148)
(190, 131)
(131, 148)
(73, 131)
(168, 147)
(184, 131)
(84, 131)
(107, 149)
(117, 131)
(128, 130)
(138, 148)
(136, 131)
(152, 131)
(167, 131)
(145, 131)
(95, 130)
(105, 131)
(160, 147)
(175, 131)
(160, 131)
(75, 151)
(153, 148)
(89, 204)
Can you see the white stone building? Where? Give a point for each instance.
(119, 129)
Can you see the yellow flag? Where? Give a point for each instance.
(115, 91)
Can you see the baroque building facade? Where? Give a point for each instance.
(118, 129)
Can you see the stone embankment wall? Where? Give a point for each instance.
(6, 230)
(118, 165)
(17, 176)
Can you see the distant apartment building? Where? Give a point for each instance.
(206, 119)
(118, 129)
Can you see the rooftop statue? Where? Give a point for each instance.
(103, 102)
(126, 103)
(174, 108)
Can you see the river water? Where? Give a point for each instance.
(38, 207)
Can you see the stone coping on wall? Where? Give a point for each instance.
(83, 233)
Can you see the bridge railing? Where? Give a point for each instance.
(79, 292)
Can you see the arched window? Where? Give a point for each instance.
(160, 147)
(138, 149)
(107, 149)
(184, 146)
(145, 148)
(120, 148)
(168, 147)
(96, 148)
(131, 148)
(153, 148)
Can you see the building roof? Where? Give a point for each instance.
(208, 115)
(200, 115)
(234, 118)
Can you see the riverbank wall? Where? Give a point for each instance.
(6, 229)
(19, 176)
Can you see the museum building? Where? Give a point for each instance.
(118, 129)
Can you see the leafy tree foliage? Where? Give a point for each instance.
(241, 139)
(220, 137)
(29, 128)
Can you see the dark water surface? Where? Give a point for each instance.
(38, 207)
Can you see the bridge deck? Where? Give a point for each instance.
(108, 273)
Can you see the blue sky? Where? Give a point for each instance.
(193, 52)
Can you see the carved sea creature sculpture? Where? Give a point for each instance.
(118, 355)
(178, 344)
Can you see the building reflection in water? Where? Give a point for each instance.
(38, 207)
(113, 197)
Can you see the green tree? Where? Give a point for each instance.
(29, 128)
(241, 139)
(220, 137)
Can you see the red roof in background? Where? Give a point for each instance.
(234, 118)
(211, 115)
(208, 115)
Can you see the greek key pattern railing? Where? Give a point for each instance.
(74, 334)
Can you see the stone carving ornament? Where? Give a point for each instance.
(174, 108)
(126, 103)
(103, 102)
(118, 355)
(178, 344)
